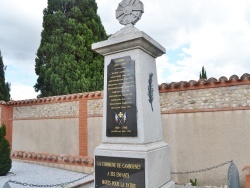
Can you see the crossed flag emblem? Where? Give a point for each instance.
(120, 118)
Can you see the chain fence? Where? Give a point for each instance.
(51, 185)
(207, 169)
(174, 173)
(202, 170)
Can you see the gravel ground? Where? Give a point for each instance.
(41, 175)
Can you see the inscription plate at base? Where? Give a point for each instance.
(111, 172)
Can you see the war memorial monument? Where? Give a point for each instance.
(133, 153)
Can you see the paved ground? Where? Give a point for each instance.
(26, 175)
(42, 175)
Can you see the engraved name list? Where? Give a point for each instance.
(121, 98)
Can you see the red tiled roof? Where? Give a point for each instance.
(54, 98)
(164, 87)
(202, 83)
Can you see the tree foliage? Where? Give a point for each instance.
(5, 160)
(65, 62)
(4, 86)
(203, 73)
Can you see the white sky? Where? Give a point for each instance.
(196, 33)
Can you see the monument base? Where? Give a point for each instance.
(170, 184)
(137, 165)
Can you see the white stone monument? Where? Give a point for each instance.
(133, 153)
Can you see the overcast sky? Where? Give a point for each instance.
(195, 33)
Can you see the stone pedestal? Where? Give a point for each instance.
(146, 143)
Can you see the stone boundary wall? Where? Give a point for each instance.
(205, 139)
(219, 98)
(49, 113)
(66, 109)
(95, 108)
(212, 98)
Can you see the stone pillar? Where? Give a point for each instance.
(132, 153)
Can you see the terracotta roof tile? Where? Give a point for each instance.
(245, 76)
(164, 87)
(234, 78)
(203, 83)
(2, 102)
(212, 80)
(223, 79)
(54, 98)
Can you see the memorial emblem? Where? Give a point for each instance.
(129, 11)
(150, 90)
(120, 118)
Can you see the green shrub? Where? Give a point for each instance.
(5, 160)
(193, 183)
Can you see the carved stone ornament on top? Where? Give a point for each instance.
(129, 11)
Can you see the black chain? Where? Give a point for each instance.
(202, 170)
(52, 185)
(67, 183)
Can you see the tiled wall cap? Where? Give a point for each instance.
(194, 83)
(54, 98)
(212, 80)
(52, 157)
(223, 79)
(2, 102)
(77, 160)
(34, 156)
(234, 79)
(245, 76)
(39, 156)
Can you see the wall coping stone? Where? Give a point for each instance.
(53, 99)
(53, 158)
(204, 84)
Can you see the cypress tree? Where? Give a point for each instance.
(203, 73)
(4, 86)
(65, 62)
(5, 160)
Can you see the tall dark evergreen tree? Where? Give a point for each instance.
(203, 73)
(4, 86)
(5, 160)
(65, 62)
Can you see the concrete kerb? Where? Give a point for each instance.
(32, 174)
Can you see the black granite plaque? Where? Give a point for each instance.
(121, 98)
(111, 172)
